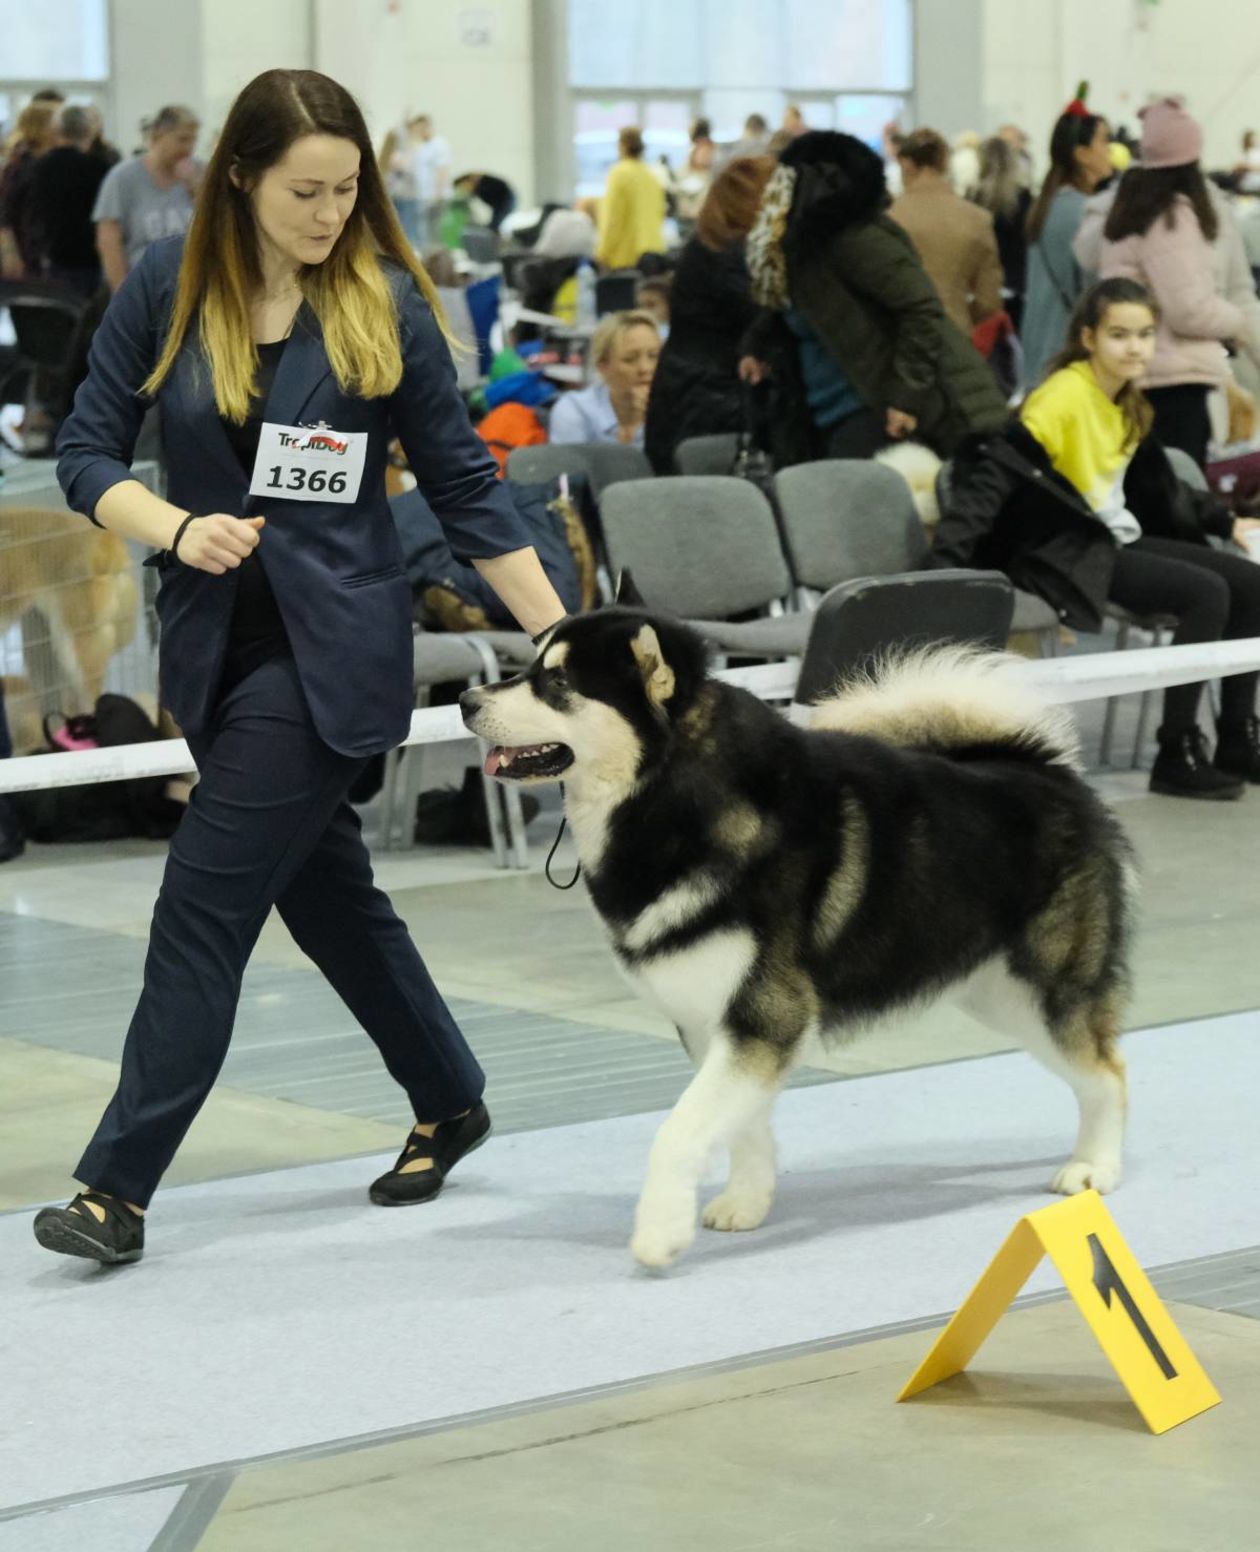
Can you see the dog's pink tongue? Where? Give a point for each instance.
(493, 760)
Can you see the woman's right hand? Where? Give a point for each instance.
(218, 543)
(753, 371)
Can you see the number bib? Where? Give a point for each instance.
(304, 463)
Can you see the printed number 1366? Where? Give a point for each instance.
(315, 481)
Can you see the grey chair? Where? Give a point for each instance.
(613, 462)
(705, 548)
(548, 461)
(860, 620)
(440, 659)
(714, 454)
(480, 243)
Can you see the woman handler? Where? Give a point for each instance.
(288, 338)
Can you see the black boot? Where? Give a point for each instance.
(1238, 748)
(1182, 768)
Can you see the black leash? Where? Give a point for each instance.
(577, 872)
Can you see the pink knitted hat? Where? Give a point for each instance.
(1170, 137)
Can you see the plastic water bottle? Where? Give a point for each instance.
(585, 316)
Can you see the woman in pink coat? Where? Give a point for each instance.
(1160, 233)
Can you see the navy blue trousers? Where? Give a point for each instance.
(268, 825)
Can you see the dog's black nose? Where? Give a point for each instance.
(469, 701)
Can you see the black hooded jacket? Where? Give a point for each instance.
(1005, 507)
(854, 274)
(696, 390)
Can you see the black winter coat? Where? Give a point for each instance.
(1006, 508)
(696, 389)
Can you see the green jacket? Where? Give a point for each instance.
(856, 277)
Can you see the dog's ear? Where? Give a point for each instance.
(658, 676)
(628, 596)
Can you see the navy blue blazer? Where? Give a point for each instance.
(336, 570)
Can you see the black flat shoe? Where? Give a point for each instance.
(449, 1143)
(74, 1231)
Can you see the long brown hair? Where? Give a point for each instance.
(1071, 132)
(1091, 313)
(349, 293)
(730, 206)
(1146, 193)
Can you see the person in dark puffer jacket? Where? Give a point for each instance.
(854, 336)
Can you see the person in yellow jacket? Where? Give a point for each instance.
(632, 211)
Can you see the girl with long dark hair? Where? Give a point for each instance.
(1080, 160)
(1077, 501)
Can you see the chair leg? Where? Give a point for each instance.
(1144, 714)
(407, 780)
(1109, 716)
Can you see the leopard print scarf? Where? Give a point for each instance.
(767, 267)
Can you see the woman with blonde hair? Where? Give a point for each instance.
(624, 351)
(289, 338)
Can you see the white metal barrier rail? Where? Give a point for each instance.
(1060, 679)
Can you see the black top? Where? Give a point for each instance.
(1012, 242)
(64, 189)
(696, 389)
(255, 614)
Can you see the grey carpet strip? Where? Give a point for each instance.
(74, 988)
(1205, 1276)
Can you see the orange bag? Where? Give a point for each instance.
(509, 426)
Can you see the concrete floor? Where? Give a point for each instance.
(1036, 1448)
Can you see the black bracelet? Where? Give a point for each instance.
(179, 533)
(547, 630)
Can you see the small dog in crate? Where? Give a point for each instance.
(80, 580)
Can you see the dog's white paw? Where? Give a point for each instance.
(735, 1210)
(661, 1237)
(1079, 1175)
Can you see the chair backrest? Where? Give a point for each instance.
(846, 518)
(480, 244)
(713, 454)
(859, 620)
(612, 462)
(548, 461)
(616, 291)
(702, 548)
(1186, 470)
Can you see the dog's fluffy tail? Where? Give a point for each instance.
(951, 700)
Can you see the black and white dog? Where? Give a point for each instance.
(761, 881)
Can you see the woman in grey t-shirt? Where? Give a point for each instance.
(149, 196)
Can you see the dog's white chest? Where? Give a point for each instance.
(694, 986)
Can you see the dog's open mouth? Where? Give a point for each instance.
(519, 762)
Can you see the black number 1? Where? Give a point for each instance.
(1108, 1281)
(274, 481)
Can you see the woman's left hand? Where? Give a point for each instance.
(899, 425)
